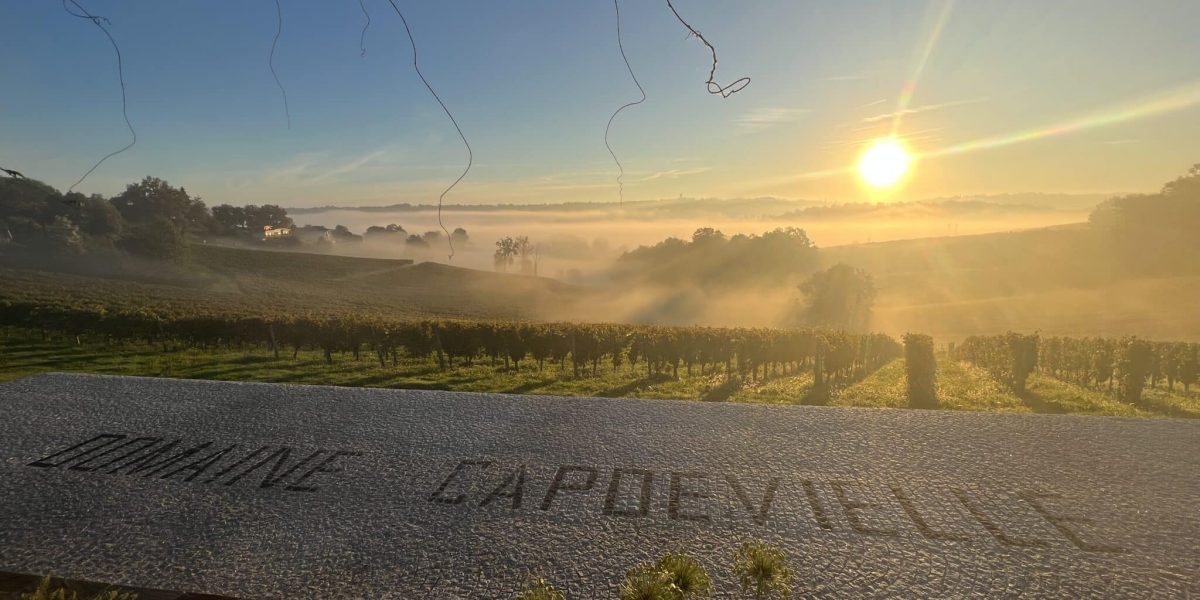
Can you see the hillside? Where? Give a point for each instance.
(216, 279)
(1055, 280)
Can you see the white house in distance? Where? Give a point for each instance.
(269, 232)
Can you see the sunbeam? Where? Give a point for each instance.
(910, 86)
(1178, 99)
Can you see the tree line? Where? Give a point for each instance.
(152, 218)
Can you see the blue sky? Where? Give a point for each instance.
(533, 82)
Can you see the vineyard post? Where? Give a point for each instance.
(437, 345)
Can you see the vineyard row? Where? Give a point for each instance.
(748, 353)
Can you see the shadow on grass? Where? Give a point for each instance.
(723, 392)
(55, 359)
(633, 386)
(818, 395)
(1164, 407)
(1040, 404)
(256, 359)
(528, 386)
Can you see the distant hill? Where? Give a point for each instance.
(765, 206)
(665, 208)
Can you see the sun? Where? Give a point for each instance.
(884, 163)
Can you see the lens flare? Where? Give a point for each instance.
(884, 163)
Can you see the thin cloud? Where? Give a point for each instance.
(922, 109)
(923, 136)
(310, 168)
(765, 118)
(846, 77)
(348, 167)
(597, 180)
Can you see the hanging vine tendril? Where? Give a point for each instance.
(362, 37)
(713, 87)
(100, 22)
(470, 155)
(621, 46)
(271, 61)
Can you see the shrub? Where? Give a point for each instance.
(1134, 357)
(648, 582)
(44, 592)
(537, 588)
(687, 575)
(921, 371)
(1010, 358)
(763, 569)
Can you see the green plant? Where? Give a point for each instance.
(537, 588)
(44, 592)
(648, 582)
(763, 569)
(687, 575)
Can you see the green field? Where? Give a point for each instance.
(960, 386)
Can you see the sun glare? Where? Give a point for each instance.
(884, 163)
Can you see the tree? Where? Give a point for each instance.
(267, 215)
(712, 261)
(26, 198)
(391, 233)
(763, 569)
(706, 235)
(416, 242)
(839, 297)
(152, 199)
(459, 236)
(342, 235)
(63, 236)
(1188, 185)
(525, 250)
(230, 219)
(1149, 233)
(159, 238)
(100, 218)
(506, 249)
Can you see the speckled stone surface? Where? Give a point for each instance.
(274, 491)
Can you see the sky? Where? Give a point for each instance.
(1003, 96)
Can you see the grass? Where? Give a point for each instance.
(885, 388)
(960, 386)
(22, 355)
(963, 386)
